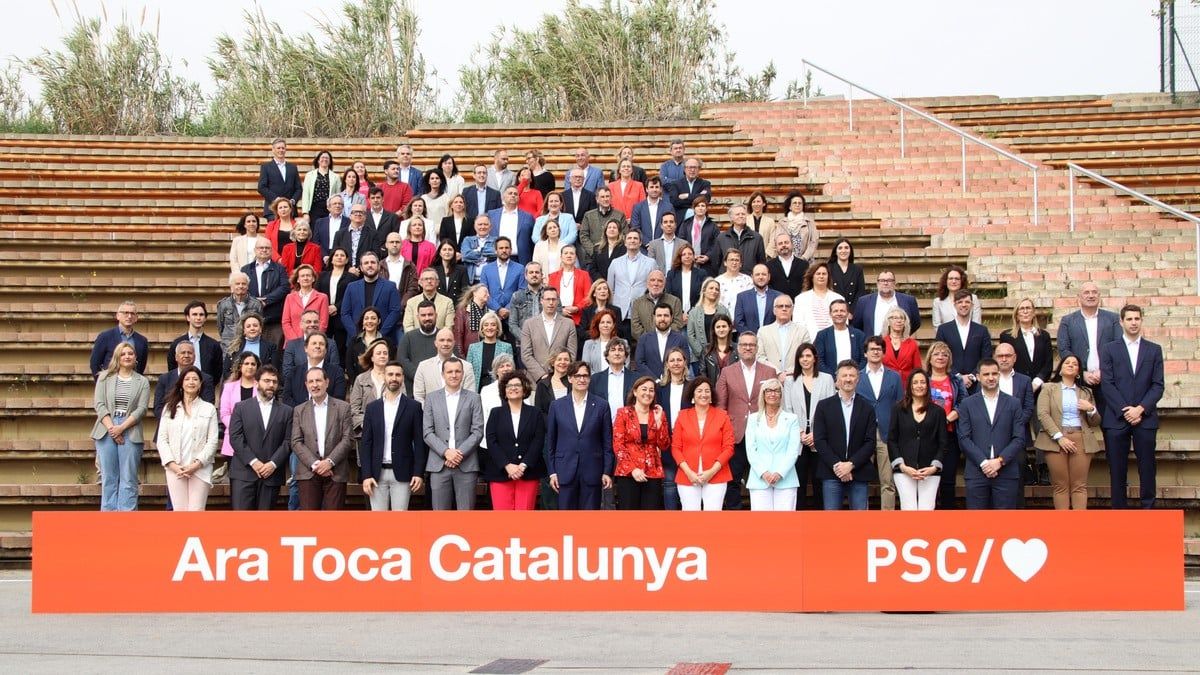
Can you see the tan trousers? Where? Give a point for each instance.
(887, 489)
(1069, 474)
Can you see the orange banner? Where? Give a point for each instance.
(579, 561)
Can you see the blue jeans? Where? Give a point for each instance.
(293, 486)
(834, 490)
(119, 466)
(670, 491)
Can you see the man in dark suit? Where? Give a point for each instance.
(294, 355)
(882, 388)
(577, 200)
(107, 341)
(480, 197)
(604, 383)
(579, 453)
(326, 228)
(183, 356)
(870, 311)
(755, 308)
(260, 434)
(269, 284)
(647, 214)
(1084, 332)
(969, 342)
(845, 449)
(652, 348)
(278, 178)
(839, 342)
(209, 356)
(316, 351)
(361, 236)
(408, 173)
(1132, 368)
(1020, 387)
(393, 452)
(372, 290)
(787, 271)
(706, 244)
(323, 460)
(992, 440)
(683, 193)
(510, 221)
(380, 221)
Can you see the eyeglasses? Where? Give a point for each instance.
(578, 375)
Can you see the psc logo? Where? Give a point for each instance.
(952, 560)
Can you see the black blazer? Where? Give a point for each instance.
(335, 295)
(388, 223)
(850, 284)
(708, 240)
(1040, 363)
(491, 201)
(271, 185)
(587, 202)
(209, 360)
(978, 347)
(251, 441)
(268, 353)
(601, 259)
(829, 436)
(543, 393)
(505, 447)
(295, 392)
(446, 230)
(275, 288)
(451, 285)
(918, 444)
(675, 284)
(585, 324)
(369, 241)
(673, 190)
(409, 451)
(792, 284)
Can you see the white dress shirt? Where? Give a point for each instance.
(390, 408)
(882, 307)
(1091, 326)
(580, 407)
(508, 228)
(320, 418)
(841, 342)
(1133, 347)
(451, 413)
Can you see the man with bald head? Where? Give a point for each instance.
(429, 372)
(1020, 387)
(185, 357)
(755, 307)
(1083, 332)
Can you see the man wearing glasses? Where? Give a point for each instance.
(870, 311)
(580, 456)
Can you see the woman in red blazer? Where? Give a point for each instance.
(304, 297)
(640, 434)
(301, 250)
(626, 192)
(702, 447)
(572, 305)
(529, 198)
(902, 353)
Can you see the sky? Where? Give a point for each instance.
(898, 48)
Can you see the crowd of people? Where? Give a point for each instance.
(606, 345)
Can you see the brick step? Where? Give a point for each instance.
(1076, 116)
(1186, 123)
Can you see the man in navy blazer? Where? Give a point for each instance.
(384, 297)
(1130, 413)
(579, 457)
(107, 341)
(325, 230)
(992, 439)
(522, 238)
(864, 308)
(826, 340)
(846, 460)
(882, 388)
(409, 173)
(1073, 336)
(278, 178)
(316, 352)
(684, 192)
(577, 200)
(500, 293)
(746, 304)
(491, 196)
(640, 219)
(392, 466)
(648, 356)
(269, 283)
(978, 346)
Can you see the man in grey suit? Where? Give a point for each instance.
(453, 427)
(545, 334)
(259, 431)
(662, 249)
(1083, 333)
(323, 465)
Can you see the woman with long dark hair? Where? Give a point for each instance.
(917, 442)
(187, 442)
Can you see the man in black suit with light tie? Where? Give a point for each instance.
(969, 342)
(278, 178)
(1132, 368)
(992, 438)
(260, 433)
(393, 451)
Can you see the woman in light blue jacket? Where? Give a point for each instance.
(772, 447)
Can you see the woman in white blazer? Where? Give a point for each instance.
(187, 443)
(802, 390)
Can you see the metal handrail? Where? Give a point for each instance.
(1073, 168)
(963, 136)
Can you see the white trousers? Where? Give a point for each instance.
(710, 496)
(773, 499)
(390, 494)
(916, 495)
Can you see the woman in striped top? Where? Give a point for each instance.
(122, 395)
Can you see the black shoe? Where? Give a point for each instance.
(1029, 474)
(1043, 474)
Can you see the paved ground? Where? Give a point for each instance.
(1147, 642)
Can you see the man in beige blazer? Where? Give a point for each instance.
(322, 441)
(544, 334)
(429, 371)
(778, 341)
(737, 394)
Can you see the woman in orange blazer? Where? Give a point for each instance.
(626, 192)
(702, 446)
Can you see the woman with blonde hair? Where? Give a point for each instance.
(901, 352)
(701, 316)
(946, 391)
(121, 398)
(772, 448)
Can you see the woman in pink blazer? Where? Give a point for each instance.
(626, 192)
(416, 247)
(304, 297)
(241, 385)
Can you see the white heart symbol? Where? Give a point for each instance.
(1024, 558)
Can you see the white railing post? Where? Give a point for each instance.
(1071, 195)
(902, 133)
(964, 165)
(1035, 197)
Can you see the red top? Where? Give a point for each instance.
(941, 393)
(425, 254)
(396, 197)
(625, 201)
(699, 450)
(631, 452)
(908, 360)
(529, 199)
(311, 255)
